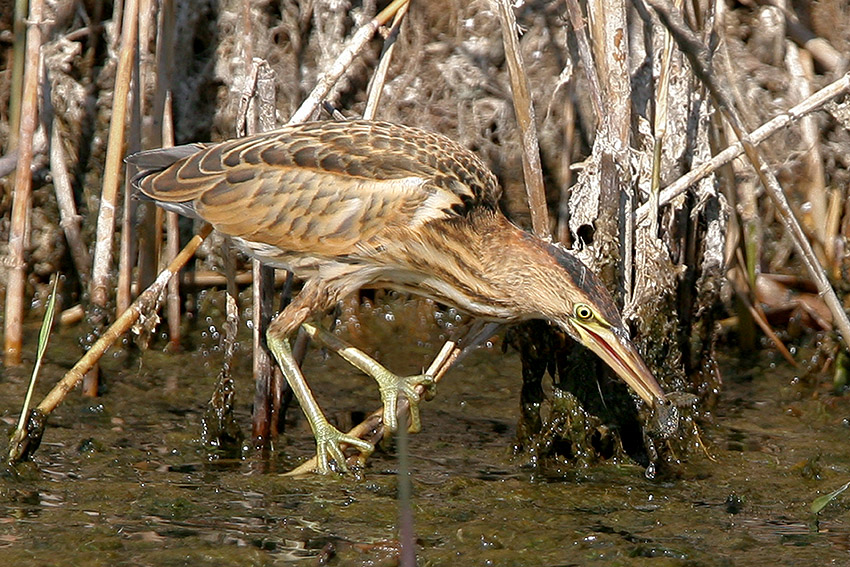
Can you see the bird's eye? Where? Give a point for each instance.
(583, 312)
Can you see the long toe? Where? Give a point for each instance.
(409, 386)
(329, 444)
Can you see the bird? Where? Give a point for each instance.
(358, 204)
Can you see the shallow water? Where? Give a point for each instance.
(125, 480)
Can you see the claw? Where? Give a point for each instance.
(391, 385)
(329, 440)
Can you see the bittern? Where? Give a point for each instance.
(347, 205)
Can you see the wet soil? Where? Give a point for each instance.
(125, 479)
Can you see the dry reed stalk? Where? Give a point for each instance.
(247, 38)
(19, 50)
(149, 225)
(821, 50)
(660, 125)
(833, 90)
(163, 67)
(114, 159)
(102, 259)
(356, 44)
(834, 241)
(612, 244)
(524, 110)
(67, 207)
(172, 241)
(801, 69)
(148, 25)
(579, 25)
(206, 278)
(261, 291)
(22, 200)
(161, 135)
(266, 405)
(698, 56)
(268, 379)
(562, 231)
(128, 238)
(379, 78)
(141, 307)
(72, 315)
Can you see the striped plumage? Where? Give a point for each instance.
(352, 204)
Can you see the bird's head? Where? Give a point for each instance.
(592, 319)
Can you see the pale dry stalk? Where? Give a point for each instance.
(579, 26)
(67, 207)
(612, 242)
(801, 69)
(379, 78)
(22, 200)
(114, 159)
(833, 90)
(356, 44)
(524, 110)
(172, 240)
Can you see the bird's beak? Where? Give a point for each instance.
(614, 347)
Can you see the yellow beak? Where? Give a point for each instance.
(614, 347)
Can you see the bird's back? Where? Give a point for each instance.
(325, 189)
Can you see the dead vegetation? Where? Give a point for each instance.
(622, 108)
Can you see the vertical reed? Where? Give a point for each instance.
(22, 203)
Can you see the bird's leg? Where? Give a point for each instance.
(328, 438)
(390, 385)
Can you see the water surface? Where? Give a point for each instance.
(125, 480)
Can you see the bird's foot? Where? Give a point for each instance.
(329, 442)
(392, 385)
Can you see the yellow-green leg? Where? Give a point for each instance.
(389, 384)
(328, 438)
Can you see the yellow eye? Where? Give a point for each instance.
(583, 312)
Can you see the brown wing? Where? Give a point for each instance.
(321, 187)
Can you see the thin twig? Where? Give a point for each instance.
(524, 110)
(376, 85)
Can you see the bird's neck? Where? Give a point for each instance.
(500, 273)
(521, 269)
